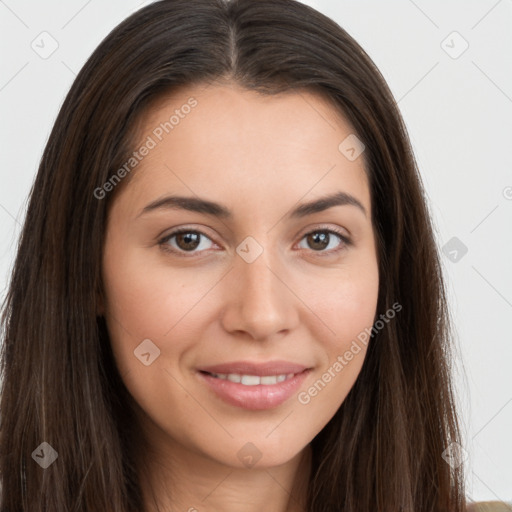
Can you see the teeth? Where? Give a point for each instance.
(250, 380)
(253, 380)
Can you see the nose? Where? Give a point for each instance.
(260, 302)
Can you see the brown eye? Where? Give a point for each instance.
(318, 240)
(325, 241)
(188, 241)
(185, 241)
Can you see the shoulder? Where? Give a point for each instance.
(489, 506)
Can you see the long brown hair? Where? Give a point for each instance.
(383, 449)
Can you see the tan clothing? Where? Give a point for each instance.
(489, 506)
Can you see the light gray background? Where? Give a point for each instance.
(459, 115)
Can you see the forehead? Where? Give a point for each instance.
(224, 137)
(306, 115)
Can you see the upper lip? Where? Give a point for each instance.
(253, 368)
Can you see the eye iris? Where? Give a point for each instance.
(318, 240)
(187, 241)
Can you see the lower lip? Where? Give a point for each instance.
(258, 397)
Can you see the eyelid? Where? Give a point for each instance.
(341, 232)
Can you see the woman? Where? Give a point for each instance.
(227, 294)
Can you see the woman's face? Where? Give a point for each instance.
(264, 278)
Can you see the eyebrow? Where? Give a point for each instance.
(196, 204)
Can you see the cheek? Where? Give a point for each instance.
(143, 301)
(342, 314)
(144, 293)
(347, 307)
(345, 302)
(147, 299)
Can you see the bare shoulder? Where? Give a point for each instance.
(489, 506)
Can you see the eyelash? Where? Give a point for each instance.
(187, 254)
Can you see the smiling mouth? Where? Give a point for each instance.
(254, 392)
(252, 380)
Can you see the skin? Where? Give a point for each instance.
(260, 157)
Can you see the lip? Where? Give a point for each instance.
(259, 397)
(253, 368)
